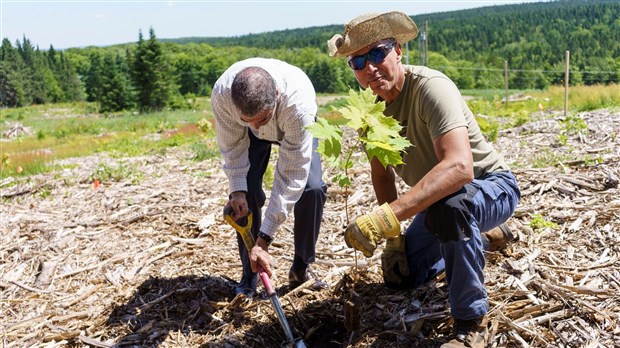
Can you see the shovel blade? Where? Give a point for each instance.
(299, 343)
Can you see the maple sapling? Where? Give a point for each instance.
(379, 135)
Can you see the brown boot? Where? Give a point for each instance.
(498, 238)
(468, 333)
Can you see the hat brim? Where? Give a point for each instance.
(367, 29)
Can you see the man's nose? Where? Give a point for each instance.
(370, 66)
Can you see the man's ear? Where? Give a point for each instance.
(277, 96)
(399, 52)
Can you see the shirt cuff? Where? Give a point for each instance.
(269, 227)
(237, 185)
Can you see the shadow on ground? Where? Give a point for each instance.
(203, 312)
(163, 305)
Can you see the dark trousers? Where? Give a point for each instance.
(308, 210)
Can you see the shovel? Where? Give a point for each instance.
(248, 240)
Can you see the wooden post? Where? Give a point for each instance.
(407, 53)
(425, 43)
(506, 78)
(566, 84)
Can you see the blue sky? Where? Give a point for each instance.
(79, 23)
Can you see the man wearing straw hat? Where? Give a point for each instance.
(258, 103)
(460, 186)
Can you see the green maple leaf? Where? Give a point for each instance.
(386, 146)
(385, 153)
(382, 128)
(360, 108)
(379, 134)
(330, 137)
(333, 162)
(400, 143)
(342, 180)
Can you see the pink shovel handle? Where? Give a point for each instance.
(265, 279)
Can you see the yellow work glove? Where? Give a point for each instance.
(394, 263)
(364, 233)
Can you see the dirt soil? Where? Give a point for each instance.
(146, 260)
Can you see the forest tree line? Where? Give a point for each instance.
(533, 36)
(470, 46)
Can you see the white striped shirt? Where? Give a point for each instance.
(295, 109)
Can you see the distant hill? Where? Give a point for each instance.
(530, 35)
(471, 30)
(304, 37)
(590, 28)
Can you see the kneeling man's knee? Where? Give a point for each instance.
(449, 219)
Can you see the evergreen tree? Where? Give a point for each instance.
(66, 76)
(116, 91)
(152, 75)
(94, 76)
(326, 77)
(12, 76)
(43, 87)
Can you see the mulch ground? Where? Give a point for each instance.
(147, 261)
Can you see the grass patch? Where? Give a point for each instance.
(491, 94)
(17, 161)
(329, 111)
(117, 172)
(204, 150)
(491, 111)
(75, 129)
(24, 164)
(98, 124)
(583, 98)
(68, 130)
(60, 110)
(547, 157)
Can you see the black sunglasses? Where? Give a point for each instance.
(375, 55)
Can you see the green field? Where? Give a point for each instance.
(59, 131)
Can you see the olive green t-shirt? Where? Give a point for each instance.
(428, 106)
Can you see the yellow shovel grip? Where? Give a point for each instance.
(244, 231)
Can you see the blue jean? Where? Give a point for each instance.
(446, 236)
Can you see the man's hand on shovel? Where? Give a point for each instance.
(237, 206)
(260, 263)
(260, 258)
(259, 250)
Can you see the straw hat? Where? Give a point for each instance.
(369, 28)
